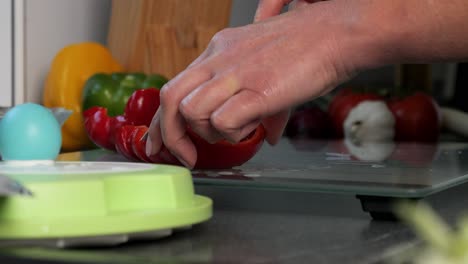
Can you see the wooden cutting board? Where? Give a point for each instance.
(160, 36)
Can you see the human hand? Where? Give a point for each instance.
(251, 75)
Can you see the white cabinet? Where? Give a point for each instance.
(6, 53)
(33, 31)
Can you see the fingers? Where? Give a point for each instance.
(239, 115)
(198, 106)
(269, 8)
(168, 125)
(219, 109)
(242, 113)
(275, 126)
(177, 141)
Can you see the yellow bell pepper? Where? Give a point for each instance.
(69, 70)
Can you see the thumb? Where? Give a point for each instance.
(269, 8)
(274, 126)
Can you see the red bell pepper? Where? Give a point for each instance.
(224, 154)
(123, 134)
(139, 110)
(220, 155)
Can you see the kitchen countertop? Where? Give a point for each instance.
(277, 227)
(255, 225)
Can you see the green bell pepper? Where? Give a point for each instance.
(113, 90)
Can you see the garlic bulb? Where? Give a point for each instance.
(369, 121)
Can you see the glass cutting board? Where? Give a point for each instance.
(403, 170)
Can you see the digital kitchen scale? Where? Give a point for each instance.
(377, 174)
(79, 203)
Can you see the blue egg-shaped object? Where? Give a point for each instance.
(29, 132)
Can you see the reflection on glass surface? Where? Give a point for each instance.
(370, 151)
(388, 169)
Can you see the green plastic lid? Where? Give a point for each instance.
(89, 199)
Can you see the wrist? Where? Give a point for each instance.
(367, 37)
(404, 31)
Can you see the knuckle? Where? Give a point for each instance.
(188, 110)
(166, 94)
(265, 87)
(220, 123)
(225, 127)
(222, 35)
(223, 39)
(264, 80)
(268, 85)
(259, 99)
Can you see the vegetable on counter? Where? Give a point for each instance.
(455, 121)
(112, 91)
(123, 133)
(369, 121)
(342, 103)
(139, 110)
(416, 117)
(221, 155)
(69, 70)
(100, 126)
(310, 122)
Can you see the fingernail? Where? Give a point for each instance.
(149, 147)
(183, 161)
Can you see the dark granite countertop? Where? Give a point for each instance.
(270, 227)
(255, 225)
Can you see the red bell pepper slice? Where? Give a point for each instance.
(123, 142)
(138, 145)
(142, 106)
(116, 123)
(97, 125)
(100, 127)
